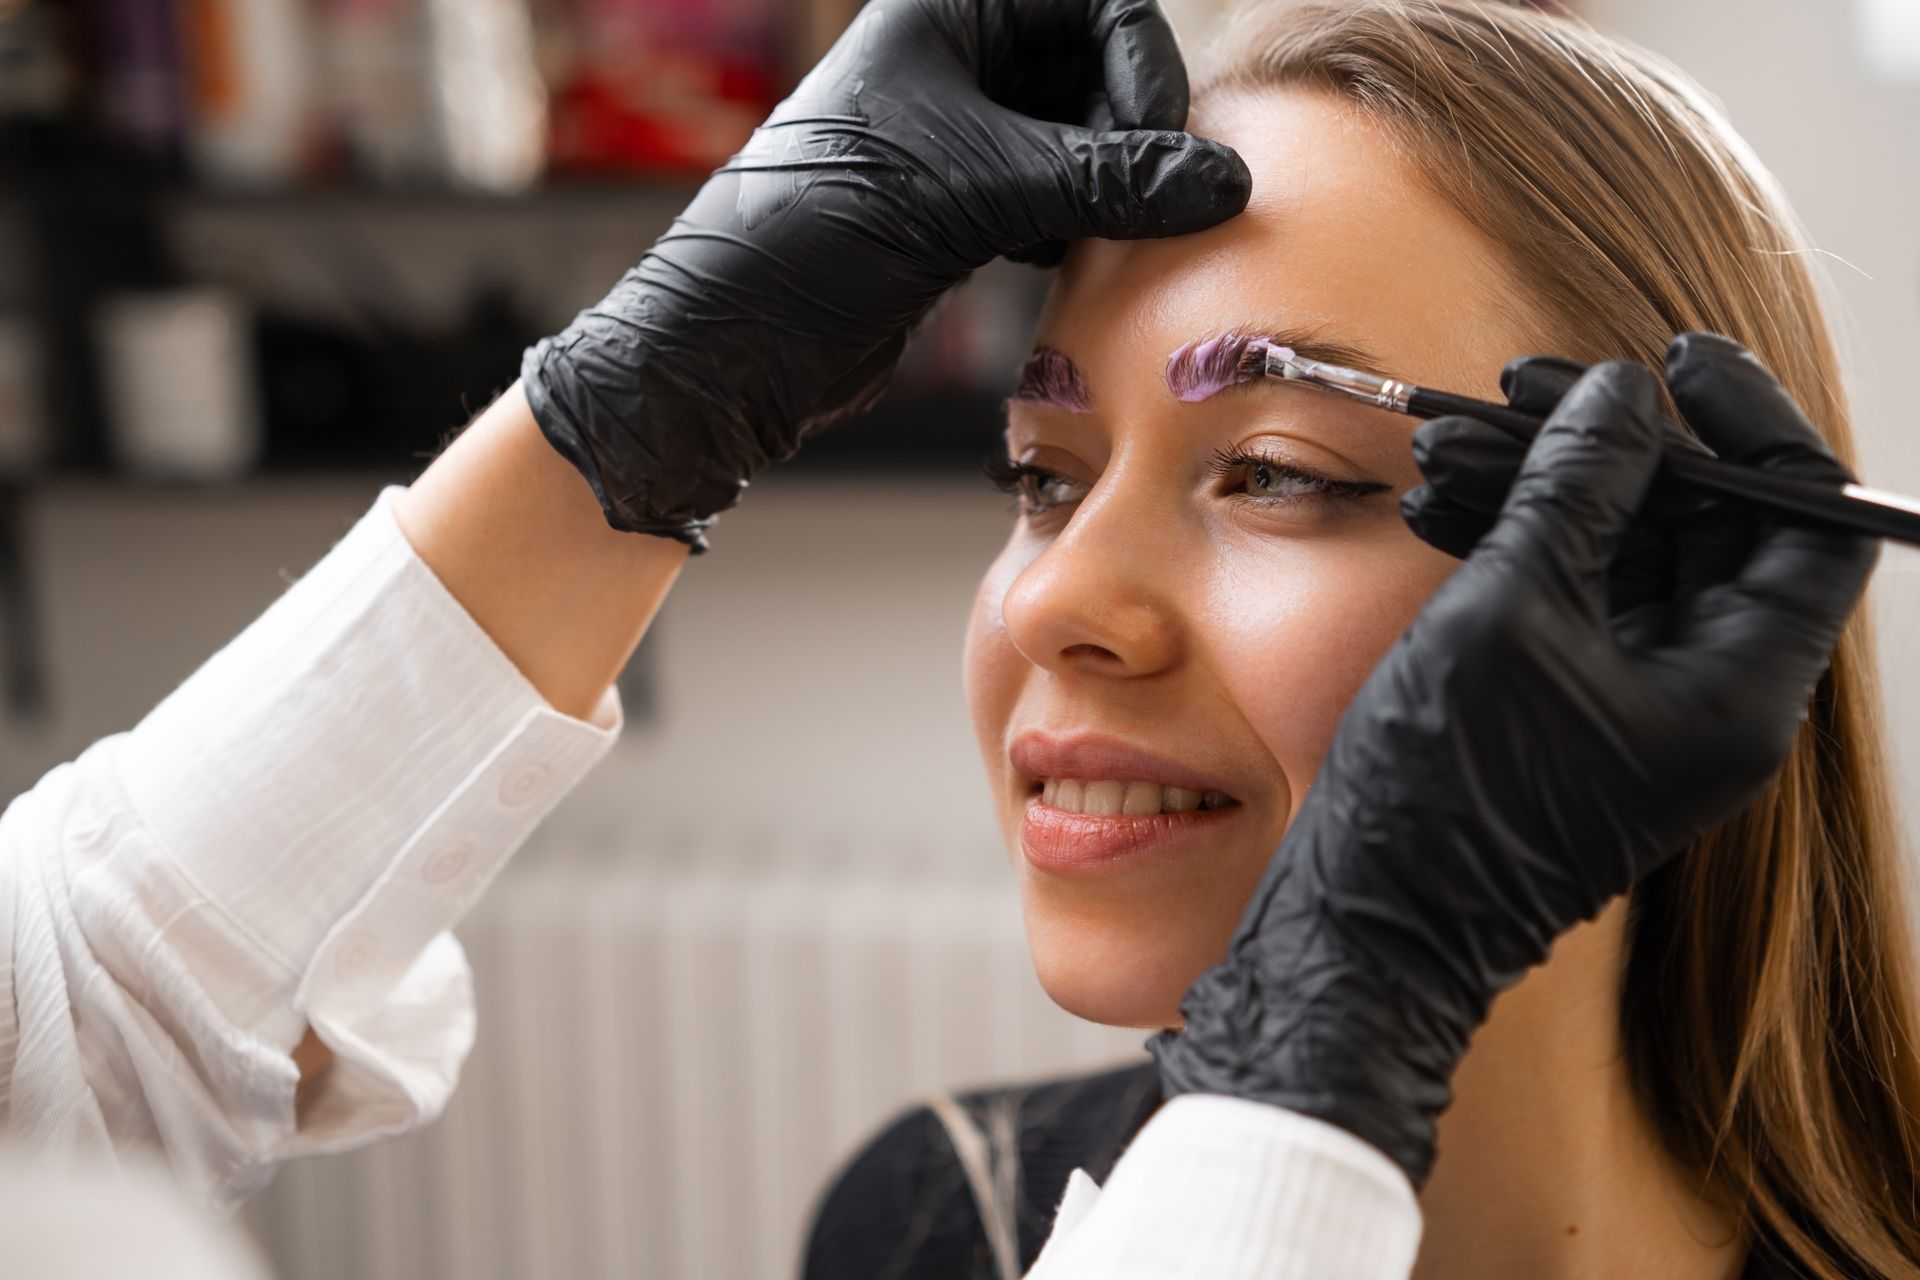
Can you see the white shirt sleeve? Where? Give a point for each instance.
(282, 843)
(1227, 1189)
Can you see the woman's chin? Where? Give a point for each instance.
(1116, 976)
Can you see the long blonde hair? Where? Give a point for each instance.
(1769, 1012)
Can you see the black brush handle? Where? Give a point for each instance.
(1422, 403)
(1690, 462)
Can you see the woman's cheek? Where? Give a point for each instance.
(1300, 646)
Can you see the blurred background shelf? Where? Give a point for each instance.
(379, 318)
(386, 200)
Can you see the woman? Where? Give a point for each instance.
(225, 928)
(1716, 1074)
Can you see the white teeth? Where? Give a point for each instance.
(1142, 797)
(1105, 798)
(1180, 800)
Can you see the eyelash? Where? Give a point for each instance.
(1019, 480)
(1228, 464)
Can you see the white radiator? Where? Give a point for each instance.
(674, 1054)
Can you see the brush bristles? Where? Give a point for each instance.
(1260, 357)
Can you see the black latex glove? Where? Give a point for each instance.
(1470, 467)
(935, 136)
(1519, 758)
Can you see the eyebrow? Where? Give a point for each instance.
(1198, 370)
(1208, 366)
(1050, 376)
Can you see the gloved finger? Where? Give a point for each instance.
(1121, 186)
(1474, 465)
(1442, 523)
(1774, 626)
(1584, 475)
(1535, 384)
(1741, 411)
(1471, 464)
(1146, 79)
(1470, 468)
(1710, 546)
(1777, 615)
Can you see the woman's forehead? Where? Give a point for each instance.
(1341, 239)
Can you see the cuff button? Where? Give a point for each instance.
(447, 863)
(524, 786)
(358, 954)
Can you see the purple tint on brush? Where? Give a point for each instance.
(1206, 368)
(1051, 377)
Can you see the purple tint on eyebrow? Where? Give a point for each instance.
(1202, 369)
(1051, 377)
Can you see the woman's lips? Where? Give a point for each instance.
(1056, 840)
(1059, 839)
(1087, 756)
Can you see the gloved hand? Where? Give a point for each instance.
(935, 136)
(1521, 756)
(1470, 468)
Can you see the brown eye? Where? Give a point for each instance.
(1266, 479)
(1036, 489)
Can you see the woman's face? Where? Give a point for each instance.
(1195, 590)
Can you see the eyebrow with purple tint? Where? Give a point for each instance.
(1051, 377)
(1204, 368)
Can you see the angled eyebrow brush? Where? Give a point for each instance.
(1850, 506)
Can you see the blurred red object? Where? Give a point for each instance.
(599, 126)
(674, 87)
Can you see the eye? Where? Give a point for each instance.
(1264, 478)
(1035, 489)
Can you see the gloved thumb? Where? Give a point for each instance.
(1128, 185)
(1584, 475)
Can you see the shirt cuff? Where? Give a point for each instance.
(1225, 1188)
(341, 782)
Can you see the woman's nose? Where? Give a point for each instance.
(1098, 600)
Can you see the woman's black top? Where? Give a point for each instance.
(902, 1210)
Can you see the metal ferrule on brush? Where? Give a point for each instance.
(1386, 393)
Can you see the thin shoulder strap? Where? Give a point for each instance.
(991, 1159)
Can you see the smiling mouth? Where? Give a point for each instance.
(1108, 798)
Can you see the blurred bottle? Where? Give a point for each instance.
(251, 118)
(141, 94)
(375, 86)
(489, 96)
(178, 371)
